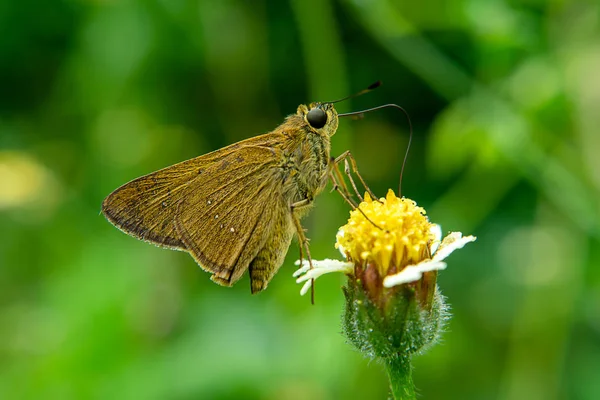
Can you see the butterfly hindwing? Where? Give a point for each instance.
(225, 219)
(145, 207)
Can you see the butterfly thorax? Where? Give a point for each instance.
(305, 160)
(314, 164)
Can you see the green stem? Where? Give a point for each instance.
(399, 371)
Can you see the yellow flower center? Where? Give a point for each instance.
(397, 232)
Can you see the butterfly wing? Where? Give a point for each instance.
(219, 206)
(226, 221)
(145, 207)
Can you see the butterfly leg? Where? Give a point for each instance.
(347, 156)
(343, 191)
(302, 239)
(338, 184)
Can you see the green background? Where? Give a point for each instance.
(505, 101)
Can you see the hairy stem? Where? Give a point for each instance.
(399, 370)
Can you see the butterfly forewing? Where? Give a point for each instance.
(206, 204)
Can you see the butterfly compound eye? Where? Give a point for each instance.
(317, 118)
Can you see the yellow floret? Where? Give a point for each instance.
(397, 232)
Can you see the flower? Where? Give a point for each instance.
(387, 243)
(394, 308)
(393, 254)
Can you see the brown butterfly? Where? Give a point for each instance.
(237, 208)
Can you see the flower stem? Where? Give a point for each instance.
(399, 371)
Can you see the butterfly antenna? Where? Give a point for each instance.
(360, 113)
(372, 86)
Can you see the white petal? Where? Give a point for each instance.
(436, 231)
(305, 267)
(326, 264)
(305, 287)
(453, 241)
(412, 273)
(320, 267)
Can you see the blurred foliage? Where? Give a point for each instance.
(504, 97)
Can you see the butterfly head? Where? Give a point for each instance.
(322, 118)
